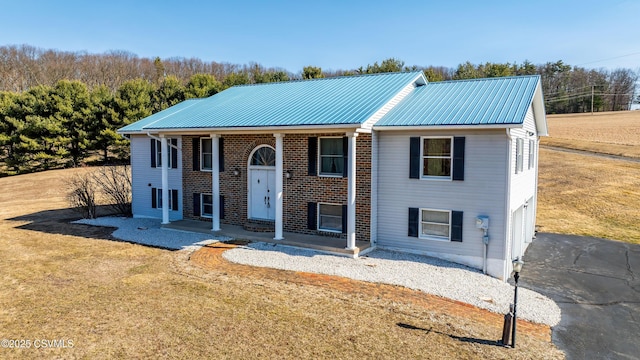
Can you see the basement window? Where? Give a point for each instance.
(206, 205)
(435, 224)
(330, 217)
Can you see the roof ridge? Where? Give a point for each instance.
(329, 78)
(485, 79)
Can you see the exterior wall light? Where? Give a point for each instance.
(236, 172)
(287, 174)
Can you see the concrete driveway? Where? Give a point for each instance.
(596, 283)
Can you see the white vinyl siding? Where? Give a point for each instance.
(481, 193)
(145, 177)
(523, 184)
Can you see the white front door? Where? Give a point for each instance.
(262, 194)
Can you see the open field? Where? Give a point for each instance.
(616, 133)
(584, 194)
(118, 300)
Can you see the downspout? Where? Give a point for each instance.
(485, 240)
(535, 193)
(507, 207)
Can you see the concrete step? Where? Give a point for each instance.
(259, 227)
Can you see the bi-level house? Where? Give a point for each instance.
(447, 169)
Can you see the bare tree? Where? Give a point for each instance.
(82, 194)
(114, 183)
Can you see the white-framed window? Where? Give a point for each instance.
(330, 217)
(172, 193)
(532, 153)
(264, 155)
(206, 205)
(158, 152)
(206, 154)
(331, 156)
(437, 157)
(435, 224)
(519, 155)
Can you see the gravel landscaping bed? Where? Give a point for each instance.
(427, 274)
(149, 232)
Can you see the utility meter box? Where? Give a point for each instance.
(482, 222)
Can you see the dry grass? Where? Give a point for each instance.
(616, 133)
(590, 195)
(117, 300)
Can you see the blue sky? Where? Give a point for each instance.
(336, 34)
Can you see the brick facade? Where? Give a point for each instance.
(299, 190)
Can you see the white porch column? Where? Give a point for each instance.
(351, 192)
(215, 181)
(164, 158)
(279, 176)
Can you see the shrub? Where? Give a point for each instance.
(112, 183)
(82, 195)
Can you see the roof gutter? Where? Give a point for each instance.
(252, 130)
(447, 127)
(168, 143)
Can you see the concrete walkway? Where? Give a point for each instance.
(596, 283)
(326, 244)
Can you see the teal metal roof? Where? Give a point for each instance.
(349, 100)
(140, 125)
(490, 101)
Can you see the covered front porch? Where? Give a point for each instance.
(315, 242)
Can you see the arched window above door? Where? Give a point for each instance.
(263, 156)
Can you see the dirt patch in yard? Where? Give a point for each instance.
(210, 257)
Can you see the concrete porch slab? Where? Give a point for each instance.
(324, 244)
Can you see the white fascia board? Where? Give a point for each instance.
(254, 130)
(539, 113)
(447, 127)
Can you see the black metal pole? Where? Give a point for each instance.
(515, 305)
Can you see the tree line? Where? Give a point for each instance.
(60, 108)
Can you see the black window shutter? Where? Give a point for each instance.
(221, 155)
(221, 206)
(196, 204)
(154, 198)
(414, 158)
(456, 226)
(345, 156)
(458, 158)
(414, 218)
(312, 216)
(196, 154)
(153, 153)
(313, 156)
(344, 219)
(174, 199)
(174, 154)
